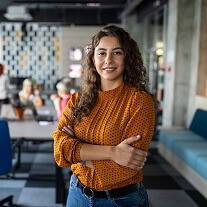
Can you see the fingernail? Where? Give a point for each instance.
(138, 136)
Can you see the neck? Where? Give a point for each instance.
(64, 95)
(109, 85)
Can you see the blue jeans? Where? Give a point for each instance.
(77, 199)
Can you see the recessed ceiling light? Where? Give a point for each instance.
(93, 4)
(18, 13)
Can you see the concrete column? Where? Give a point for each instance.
(194, 62)
(170, 63)
(181, 61)
(202, 74)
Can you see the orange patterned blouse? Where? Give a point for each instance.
(118, 114)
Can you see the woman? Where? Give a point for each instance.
(98, 133)
(4, 86)
(63, 95)
(28, 94)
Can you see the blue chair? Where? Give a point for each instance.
(5, 155)
(7, 163)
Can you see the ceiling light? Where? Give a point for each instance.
(93, 4)
(18, 13)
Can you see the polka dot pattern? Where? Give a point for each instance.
(118, 114)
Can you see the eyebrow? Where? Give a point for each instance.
(116, 48)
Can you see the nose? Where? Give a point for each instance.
(109, 59)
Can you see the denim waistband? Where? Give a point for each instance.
(113, 193)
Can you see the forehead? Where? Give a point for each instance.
(108, 42)
(28, 84)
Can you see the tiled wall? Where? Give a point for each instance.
(31, 50)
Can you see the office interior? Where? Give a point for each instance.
(48, 40)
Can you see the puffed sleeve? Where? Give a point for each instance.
(142, 120)
(66, 148)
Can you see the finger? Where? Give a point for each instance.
(69, 132)
(137, 160)
(138, 152)
(131, 139)
(133, 159)
(134, 166)
(140, 159)
(139, 164)
(70, 127)
(141, 153)
(66, 130)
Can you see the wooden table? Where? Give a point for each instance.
(31, 130)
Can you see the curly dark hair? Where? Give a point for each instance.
(134, 72)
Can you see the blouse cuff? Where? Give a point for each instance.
(76, 156)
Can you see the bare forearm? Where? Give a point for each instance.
(123, 154)
(39, 101)
(96, 152)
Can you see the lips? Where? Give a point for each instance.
(109, 69)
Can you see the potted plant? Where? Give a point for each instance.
(18, 107)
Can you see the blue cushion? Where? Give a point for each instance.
(168, 138)
(201, 166)
(190, 151)
(5, 148)
(199, 123)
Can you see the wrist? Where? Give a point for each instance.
(110, 152)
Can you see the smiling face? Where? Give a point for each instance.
(109, 61)
(29, 88)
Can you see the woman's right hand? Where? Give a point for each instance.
(126, 155)
(53, 97)
(69, 130)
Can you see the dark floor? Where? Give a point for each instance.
(34, 182)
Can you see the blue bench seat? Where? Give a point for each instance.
(168, 138)
(188, 148)
(189, 152)
(201, 166)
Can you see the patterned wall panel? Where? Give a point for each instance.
(31, 50)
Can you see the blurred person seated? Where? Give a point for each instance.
(28, 94)
(63, 95)
(4, 86)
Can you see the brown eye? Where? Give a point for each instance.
(118, 53)
(101, 53)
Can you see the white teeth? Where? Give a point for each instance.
(109, 69)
